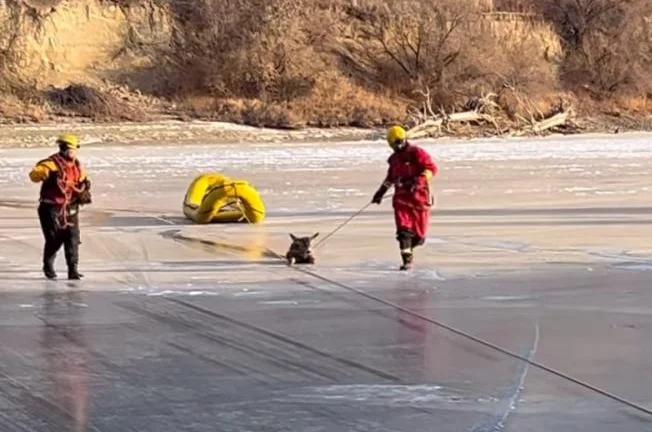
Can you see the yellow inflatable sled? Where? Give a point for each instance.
(215, 198)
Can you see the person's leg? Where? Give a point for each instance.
(416, 242)
(421, 226)
(405, 239)
(53, 239)
(404, 219)
(71, 247)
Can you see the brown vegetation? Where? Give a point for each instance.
(92, 103)
(341, 62)
(608, 45)
(290, 63)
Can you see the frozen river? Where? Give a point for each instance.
(542, 247)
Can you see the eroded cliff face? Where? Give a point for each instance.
(54, 42)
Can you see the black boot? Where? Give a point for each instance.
(48, 270)
(408, 259)
(73, 274)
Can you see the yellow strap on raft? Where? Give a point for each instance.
(213, 197)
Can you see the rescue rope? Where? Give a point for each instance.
(462, 333)
(238, 204)
(477, 340)
(454, 330)
(343, 224)
(340, 226)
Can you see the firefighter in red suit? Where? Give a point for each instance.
(410, 170)
(64, 188)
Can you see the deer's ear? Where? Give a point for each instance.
(293, 237)
(314, 236)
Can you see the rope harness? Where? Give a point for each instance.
(68, 189)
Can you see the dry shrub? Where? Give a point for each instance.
(19, 102)
(606, 67)
(247, 48)
(519, 105)
(271, 66)
(333, 102)
(408, 45)
(205, 106)
(199, 104)
(634, 104)
(265, 114)
(514, 63)
(252, 112)
(89, 102)
(288, 63)
(336, 101)
(16, 109)
(342, 62)
(517, 6)
(608, 45)
(446, 51)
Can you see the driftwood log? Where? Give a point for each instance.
(434, 125)
(556, 120)
(486, 110)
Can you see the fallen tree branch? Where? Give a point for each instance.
(486, 110)
(434, 125)
(549, 123)
(560, 119)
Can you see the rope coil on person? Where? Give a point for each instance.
(67, 190)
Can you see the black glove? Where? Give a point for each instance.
(378, 196)
(84, 196)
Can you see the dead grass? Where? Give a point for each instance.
(336, 101)
(20, 103)
(16, 109)
(85, 101)
(635, 104)
(290, 63)
(332, 102)
(295, 62)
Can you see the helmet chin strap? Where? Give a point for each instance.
(399, 146)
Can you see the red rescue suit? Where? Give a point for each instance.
(412, 199)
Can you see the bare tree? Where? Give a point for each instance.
(575, 19)
(418, 36)
(607, 45)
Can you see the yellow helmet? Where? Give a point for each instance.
(396, 136)
(68, 140)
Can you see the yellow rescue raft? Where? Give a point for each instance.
(213, 197)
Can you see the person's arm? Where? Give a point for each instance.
(42, 171)
(384, 187)
(84, 187)
(428, 166)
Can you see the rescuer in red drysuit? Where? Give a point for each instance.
(410, 170)
(64, 188)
